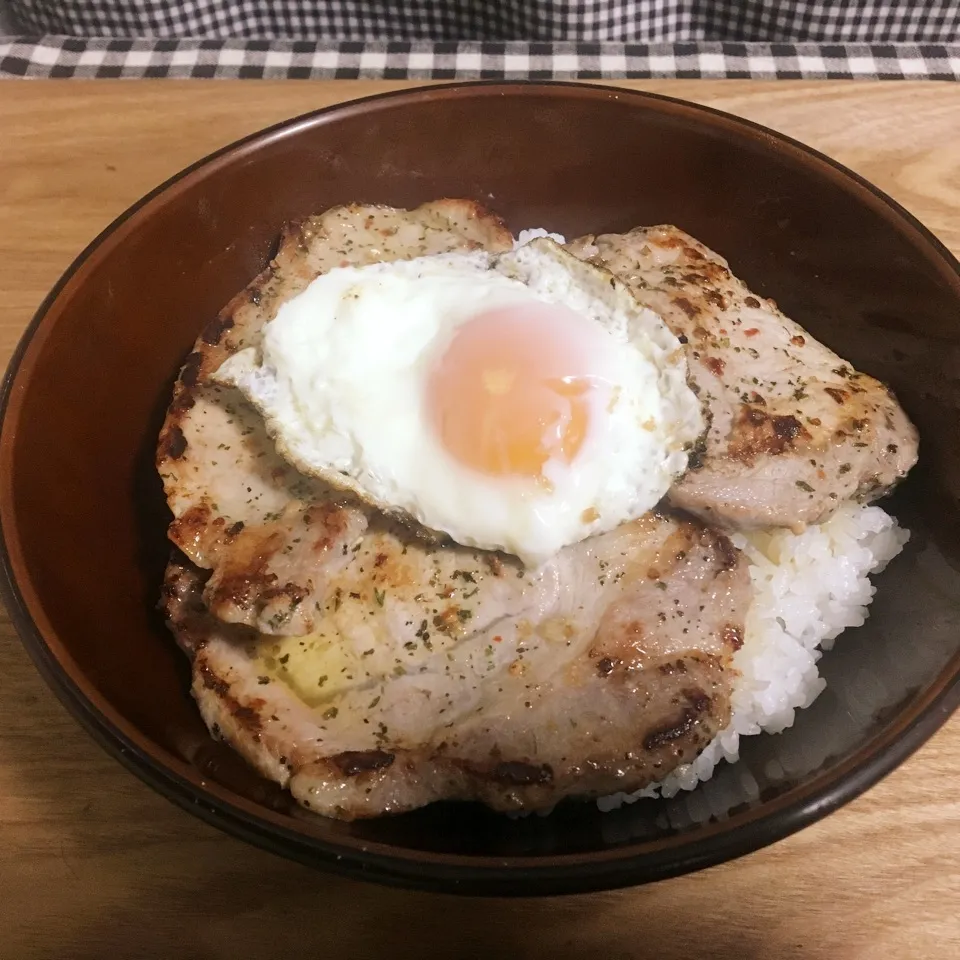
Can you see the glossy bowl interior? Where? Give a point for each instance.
(83, 517)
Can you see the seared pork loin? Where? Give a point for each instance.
(795, 430)
(454, 674)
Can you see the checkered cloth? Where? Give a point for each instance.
(625, 21)
(100, 58)
(496, 39)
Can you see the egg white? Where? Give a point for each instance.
(340, 377)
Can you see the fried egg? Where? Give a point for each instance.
(517, 402)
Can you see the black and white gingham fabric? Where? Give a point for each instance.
(624, 21)
(477, 39)
(62, 57)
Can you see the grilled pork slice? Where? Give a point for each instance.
(452, 674)
(795, 429)
(239, 509)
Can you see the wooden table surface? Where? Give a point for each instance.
(93, 864)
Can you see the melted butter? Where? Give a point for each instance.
(317, 667)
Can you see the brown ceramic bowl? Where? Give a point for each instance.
(83, 517)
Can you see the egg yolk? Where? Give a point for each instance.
(511, 390)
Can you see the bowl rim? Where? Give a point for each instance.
(922, 714)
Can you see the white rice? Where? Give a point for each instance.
(808, 588)
(526, 236)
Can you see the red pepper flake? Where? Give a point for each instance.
(715, 365)
(498, 639)
(752, 332)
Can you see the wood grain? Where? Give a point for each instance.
(94, 865)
